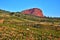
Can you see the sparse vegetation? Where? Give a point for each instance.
(15, 27)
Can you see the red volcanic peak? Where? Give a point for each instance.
(33, 11)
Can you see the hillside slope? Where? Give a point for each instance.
(18, 26)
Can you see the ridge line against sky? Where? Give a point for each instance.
(49, 7)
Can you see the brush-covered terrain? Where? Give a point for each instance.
(18, 26)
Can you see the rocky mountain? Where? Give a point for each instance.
(34, 11)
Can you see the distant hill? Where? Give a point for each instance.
(34, 11)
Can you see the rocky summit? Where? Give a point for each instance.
(33, 11)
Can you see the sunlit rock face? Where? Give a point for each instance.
(33, 11)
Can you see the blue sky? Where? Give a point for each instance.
(49, 7)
